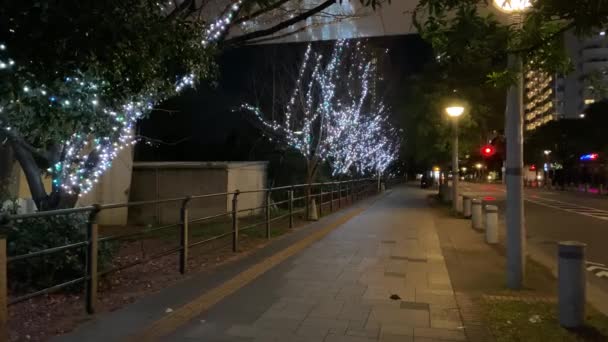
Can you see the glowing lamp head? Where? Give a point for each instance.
(512, 6)
(478, 166)
(454, 111)
(547, 152)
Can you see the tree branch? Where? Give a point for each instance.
(266, 32)
(260, 12)
(14, 137)
(179, 9)
(542, 42)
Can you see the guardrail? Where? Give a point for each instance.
(332, 194)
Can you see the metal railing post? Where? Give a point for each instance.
(307, 199)
(321, 201)
(3, 285)
(291, 208)
(235, 222)
(91, 259)
(339, 196)
(331, 198)
(268, 214)
(183, 255)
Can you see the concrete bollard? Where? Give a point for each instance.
(466, 200)
(572, 283)
(459, 204)
(313, 214)
(476, 211)
(586, 188)
(491, 224)
(601, 190)
(382, 187)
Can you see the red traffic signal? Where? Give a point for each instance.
(488, 151)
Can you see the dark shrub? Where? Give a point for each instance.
(36, 234)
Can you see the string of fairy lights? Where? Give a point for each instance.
(340, 119)
(86, 155)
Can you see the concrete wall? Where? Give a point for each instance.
(113, 187)
(244, 177)
(154, 181)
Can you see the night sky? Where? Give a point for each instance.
(201, 125)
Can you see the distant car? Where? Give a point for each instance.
(425, 182)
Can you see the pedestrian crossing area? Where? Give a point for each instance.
(569, 207)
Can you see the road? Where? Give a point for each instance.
(553, 216)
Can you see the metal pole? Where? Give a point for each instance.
(235, 222)
(183, 255)
(339, 196)
(91, 259)
(514, 176)
(291, 208)
(268, 214)
(3, 291)
(331, 198)
(455, 166)
(321, 201)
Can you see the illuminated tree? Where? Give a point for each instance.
(75, 76)
(332, 113)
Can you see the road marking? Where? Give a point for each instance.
(171, 322)
(595, 266)
(570, 208)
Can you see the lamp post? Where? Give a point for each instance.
(515, 163)
(454, 112)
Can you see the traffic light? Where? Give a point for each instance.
(488, 151)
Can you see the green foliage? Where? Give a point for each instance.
(128, 48)
(463, 31)
(36, 234)
(428, 131)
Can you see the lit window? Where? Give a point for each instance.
(589, 101)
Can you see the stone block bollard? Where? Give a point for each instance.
(491, 224)
(477, 218)
(571, 283)
(459, 204)
(466, 211)
(313, 214)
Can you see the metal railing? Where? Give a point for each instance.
(334, 195)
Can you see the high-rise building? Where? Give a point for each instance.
(552, 97)
(584, 85)
(540, 98)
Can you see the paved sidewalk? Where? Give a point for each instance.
(340, 288)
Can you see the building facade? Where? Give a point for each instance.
(551, 97)
(541, 98)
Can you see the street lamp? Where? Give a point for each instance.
(515, 162)
(454, 112)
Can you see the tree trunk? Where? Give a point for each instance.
(6, 167)
(57, 199)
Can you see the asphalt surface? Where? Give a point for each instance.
(553, 216)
